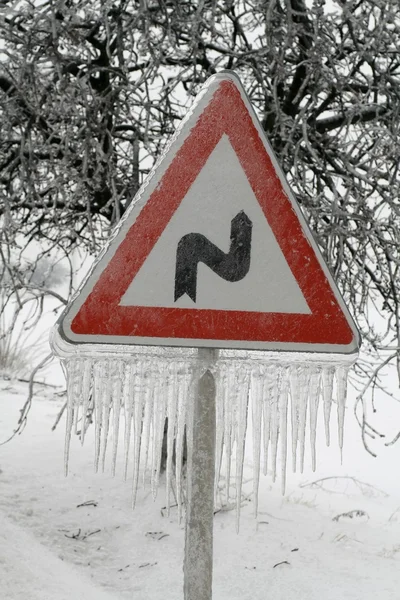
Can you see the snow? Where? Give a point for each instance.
(29, 570)
(52, 542)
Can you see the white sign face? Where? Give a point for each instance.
(268, 286)
(214, 251)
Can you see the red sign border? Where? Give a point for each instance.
(101, 314)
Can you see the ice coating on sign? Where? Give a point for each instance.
(239, 428)
(98, 380)
(341, 379)
(139, 392)
(172, 399)
(86, 382)
(295, 412)
(256, 392)
(155, 396)
(283, 403)
(314, 403)
(117, 380)
(222, 390)
(328, 374)
(107, 406)
(180, 438)
(128, 399)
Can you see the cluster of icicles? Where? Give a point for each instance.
(149, 392)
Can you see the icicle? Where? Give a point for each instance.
(182, 395)
(314, 390)
(77, 403)
(86, 385)
(128, 399)
(98, 372)
(72, 368)
(161, 388)
(107, 402)
(256, 403)
(304, 379)
(192, 390)
(158, 428)
(341, 388)
(283, 402)
(171, 416)
(294, 395)
(327, 383)
(77, 385)
(230, 401)
(138, 401)
(147, 421)
(266, 399)
(240, 428)
(78, 372)
(117, 385)
(222, 389)
(274, 426)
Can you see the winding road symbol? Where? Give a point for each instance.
(195, 247)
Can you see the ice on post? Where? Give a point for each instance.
(214, 252)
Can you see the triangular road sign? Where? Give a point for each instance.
(214, 251)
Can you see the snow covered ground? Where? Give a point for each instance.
(77, 537)
(29, 570)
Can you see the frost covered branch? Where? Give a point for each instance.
(90, 93)
(365, 488)
(28, 403)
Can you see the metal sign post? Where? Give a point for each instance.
(200, 485)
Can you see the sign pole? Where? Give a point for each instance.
(198, 560)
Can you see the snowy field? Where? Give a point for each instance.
(77, 537)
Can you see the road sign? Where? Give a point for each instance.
(214, 251)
